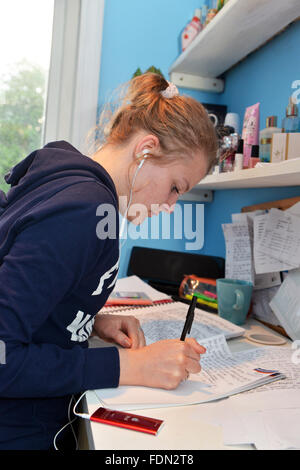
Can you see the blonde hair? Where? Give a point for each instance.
(180, 123)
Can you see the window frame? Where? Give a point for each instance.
(74, 73)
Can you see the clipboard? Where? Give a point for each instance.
(281, 204)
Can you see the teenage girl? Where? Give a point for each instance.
(59, 258)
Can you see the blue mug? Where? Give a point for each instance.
(234, 298)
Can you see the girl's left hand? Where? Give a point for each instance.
(123, 330)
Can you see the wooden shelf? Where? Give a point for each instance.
(238, 29)
(270, 175)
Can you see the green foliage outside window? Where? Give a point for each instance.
(151, 69)
(22, 95)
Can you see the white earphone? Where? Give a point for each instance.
(144, 154)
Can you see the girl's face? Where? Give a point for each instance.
(157, 188)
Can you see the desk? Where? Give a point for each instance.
(185, 427)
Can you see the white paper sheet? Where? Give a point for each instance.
(261, 305)
(294, 210)
(264, 279)
(268, 416)
(238, 252)
(263, 262)
(281, 237)
(271, 428)
(286, 304)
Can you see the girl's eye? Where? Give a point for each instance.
(175, 189)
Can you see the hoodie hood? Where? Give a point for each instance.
(54, 161)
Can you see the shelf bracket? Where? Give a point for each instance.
(197, 195)
(185, 80)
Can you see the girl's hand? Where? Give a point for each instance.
(121, 329)
(163, 364)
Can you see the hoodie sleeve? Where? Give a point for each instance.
(46, 261)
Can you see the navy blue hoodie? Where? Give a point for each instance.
(55, 275)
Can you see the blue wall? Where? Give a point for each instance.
(140, 34)
(265, 76)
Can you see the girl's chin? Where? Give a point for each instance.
(141, 218)
(136, 220)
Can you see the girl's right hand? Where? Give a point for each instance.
(163, 364)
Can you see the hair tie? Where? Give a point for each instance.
(170, 91)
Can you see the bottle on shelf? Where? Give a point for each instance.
(291, 122)
(204, 11)
(228, 141)
(254, 156)
(265, 138)
(239, 156)
(191, 30)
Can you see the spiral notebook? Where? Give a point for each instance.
(134, 285)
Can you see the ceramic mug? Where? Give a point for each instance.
(234, 298)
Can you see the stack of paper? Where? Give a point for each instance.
(267, 417)
(223, 374)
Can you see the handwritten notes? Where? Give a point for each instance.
(166, 322)
(281, 237)
(223, 374)
(264, 261)
(239, 264)
(260, 245)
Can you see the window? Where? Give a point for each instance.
(49, 74)
(25, 36)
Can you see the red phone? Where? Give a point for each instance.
(126, 420)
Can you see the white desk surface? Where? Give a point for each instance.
(185, 427)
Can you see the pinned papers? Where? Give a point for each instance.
(259, 245)
(279, 239)
(239, 263)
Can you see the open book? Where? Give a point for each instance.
(223, 374)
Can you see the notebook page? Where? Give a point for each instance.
(166, 321)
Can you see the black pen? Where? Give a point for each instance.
(189, 318)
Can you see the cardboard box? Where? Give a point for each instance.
(293, 145)
(278, 147)
(285, 146)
